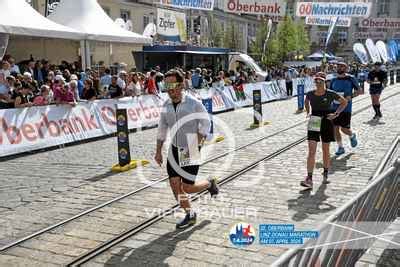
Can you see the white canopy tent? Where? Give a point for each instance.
(17, 17)
(89, 18)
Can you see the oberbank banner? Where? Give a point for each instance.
(34, 128)
(28, 129)
(263, 7)
(335, 9)
(189, 4)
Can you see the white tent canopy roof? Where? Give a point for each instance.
(19, 18)
(89, 18)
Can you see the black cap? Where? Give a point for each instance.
(377, 63)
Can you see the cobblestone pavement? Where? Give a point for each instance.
(39, 194)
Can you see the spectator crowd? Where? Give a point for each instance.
(37, 83)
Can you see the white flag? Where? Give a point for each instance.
(331, 28)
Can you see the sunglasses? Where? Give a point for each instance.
(319, 80)
(171, 86)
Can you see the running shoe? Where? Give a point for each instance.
(376, 117)
(340, 151)
(189, 220)
(213, 189)
(325, 178)
(353, 140)
(307, 183)
(380, 115)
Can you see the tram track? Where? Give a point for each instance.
(148, 222)
(145, 224)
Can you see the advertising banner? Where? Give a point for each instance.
(171, 25)
(369, 35)
(373, 51)
(124, 154)
(189, 4)
(335, 9)
(28, 129)
(264, 7)
(381, 23)
(34, 128)
(326, 21)
(361, 53)
(381, 46)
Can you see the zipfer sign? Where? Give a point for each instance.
(337, 9)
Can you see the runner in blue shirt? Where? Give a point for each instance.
(344, 84)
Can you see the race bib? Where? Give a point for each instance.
(314, 124)
(189, 157)
(337, 101)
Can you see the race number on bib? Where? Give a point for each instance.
(186, 158)
(337, 101)
(314, 124)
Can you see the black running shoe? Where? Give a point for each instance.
(308, 183)
(213, 189)
(325, 179)
(188, 221)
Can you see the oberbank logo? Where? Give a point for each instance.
(242, 234)
(338, 9)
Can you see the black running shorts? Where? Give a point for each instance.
(343, 120)
(326, 135)
(375, 91)
(187, 173)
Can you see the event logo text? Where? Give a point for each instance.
(333, 9)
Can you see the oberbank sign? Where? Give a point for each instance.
(337, 9)
(263, 7)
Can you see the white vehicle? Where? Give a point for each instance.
(236, 59)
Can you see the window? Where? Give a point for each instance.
(125, 15)
(107, 10)
(383, 7)
(342, 38)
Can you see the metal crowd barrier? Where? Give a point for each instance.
(350, 231)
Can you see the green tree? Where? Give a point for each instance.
(302, 41)
(286, 36)
(257, 46)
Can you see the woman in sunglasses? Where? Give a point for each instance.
(320, 126)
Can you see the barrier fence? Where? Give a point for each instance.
(28, 129)
(350, 231)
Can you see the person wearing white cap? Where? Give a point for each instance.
(320, 126)
(122, 79)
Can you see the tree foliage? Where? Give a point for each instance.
(288, 40)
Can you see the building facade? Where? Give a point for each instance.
(383, 24)
(140, 13)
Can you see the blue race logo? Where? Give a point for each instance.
(242, 234)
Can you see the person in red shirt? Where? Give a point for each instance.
(151, 84)
(63, 95)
